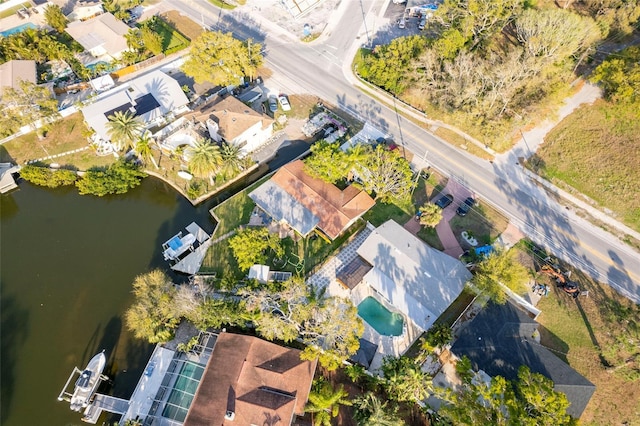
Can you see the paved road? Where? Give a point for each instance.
(318, 69)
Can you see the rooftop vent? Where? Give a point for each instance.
(229, 415)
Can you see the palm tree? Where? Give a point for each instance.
(205, 159)
(123, 128)
(430, 215)
(325, 401)
(144, 150)
(232, 163)
(371, 412)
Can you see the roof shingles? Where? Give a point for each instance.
(256, 380)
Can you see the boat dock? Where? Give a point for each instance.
(104, 403)
(195, 244)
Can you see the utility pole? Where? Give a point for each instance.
(415, 183)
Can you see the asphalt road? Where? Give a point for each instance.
(318, 69)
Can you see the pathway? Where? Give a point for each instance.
(51, 157)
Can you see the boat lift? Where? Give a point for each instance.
(66, 396)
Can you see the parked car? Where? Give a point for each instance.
(422, 23)
(465, 206)
(329, 130)
(284, 103)
(402, 23)
(273, 103)
(444, 201)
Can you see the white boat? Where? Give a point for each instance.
(87, 382)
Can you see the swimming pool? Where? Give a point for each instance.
(183, 391)
(18, 29)
(380, 318)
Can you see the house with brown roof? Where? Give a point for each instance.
(249, 381)
(305, 203)
(232, 121)
(101, 36)
(15, 71)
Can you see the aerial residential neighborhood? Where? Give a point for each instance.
(319, 212)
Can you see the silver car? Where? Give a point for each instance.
(273, 103)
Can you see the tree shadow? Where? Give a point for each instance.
(15, 329)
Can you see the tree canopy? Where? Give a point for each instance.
(500, 267)
(221, 59)
(325, 401)
(55, 18)
(118, 178)
(529, 400)
(205, 158)
(387, 174)
(620, 76)
(124, 128)
(404, 380)
(370, 411)
(250, 246)
(430, 215)
(152, 316)
(26, 105)
(330, 327)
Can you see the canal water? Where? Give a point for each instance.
(66, 267)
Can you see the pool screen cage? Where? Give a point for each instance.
(177, 390)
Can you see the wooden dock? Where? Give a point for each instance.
(104, 403)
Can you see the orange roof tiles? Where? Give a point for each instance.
(260, 382)
(335, 208)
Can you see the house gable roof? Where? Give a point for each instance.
(255, 379)
(418, 280)
(499, 340)
(150, 96)
(310, 202)
(12, 72)
(103, 30)
(234, 118)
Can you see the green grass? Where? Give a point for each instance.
(594, 150)
(14, 9)
(382, 212)
(172, 40)
(222, 4)
(236, 210)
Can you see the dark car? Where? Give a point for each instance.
(444, 201)
(465, 206)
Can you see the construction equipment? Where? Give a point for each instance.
(562, 280)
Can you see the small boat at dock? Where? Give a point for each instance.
(86, 384)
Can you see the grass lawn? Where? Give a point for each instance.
(185, 25)
(594, 150)
(485, 223)
(65, 135)
(596, 335)
(172, 40)
(12, 10)
(236, 210)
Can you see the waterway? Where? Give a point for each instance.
(66, 266)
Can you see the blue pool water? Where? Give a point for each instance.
(18, 29)
(380, 318)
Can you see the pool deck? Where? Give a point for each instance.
(326, 277)
(148, 386)
(14, 20)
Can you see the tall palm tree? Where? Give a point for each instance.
(123, 128)
(231, 161)
(144, 149)
(205, 159)
(371, 412)
(324, 402)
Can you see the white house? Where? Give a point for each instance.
(151, 97)
(238, 124)
(83, 10)
(418, 280)
(101, 36)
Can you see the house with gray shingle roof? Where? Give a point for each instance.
(500, 339)
(418, 280)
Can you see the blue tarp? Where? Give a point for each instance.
(484, 250)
